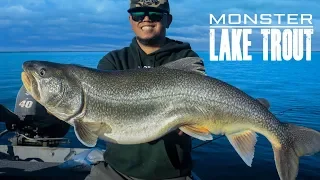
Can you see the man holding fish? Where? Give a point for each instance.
(168, 157)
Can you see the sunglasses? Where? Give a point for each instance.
(153, 16)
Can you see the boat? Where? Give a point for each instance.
(29, 158)
(41, 158)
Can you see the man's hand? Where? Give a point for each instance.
(180, 133)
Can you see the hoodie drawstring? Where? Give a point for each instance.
(139, 56)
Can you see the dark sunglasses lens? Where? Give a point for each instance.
(153, 16)
(137, 16)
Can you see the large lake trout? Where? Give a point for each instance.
(141, 105)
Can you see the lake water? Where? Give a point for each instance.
(293, 87)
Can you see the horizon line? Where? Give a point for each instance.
(261, 26)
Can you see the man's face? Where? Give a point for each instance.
(148, 25)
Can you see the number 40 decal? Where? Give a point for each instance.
(26, 104)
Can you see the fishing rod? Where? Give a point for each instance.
(3, 133)
(207, 142)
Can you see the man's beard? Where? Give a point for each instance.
(156, 40)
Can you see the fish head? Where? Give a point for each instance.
(53, 86)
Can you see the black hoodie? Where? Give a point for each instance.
(167, 157)
(134, 57)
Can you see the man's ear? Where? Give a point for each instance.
(130, 20)
(169, 20)
(129, 17)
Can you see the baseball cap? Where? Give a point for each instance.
(159, 5)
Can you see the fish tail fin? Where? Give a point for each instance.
(296, 141)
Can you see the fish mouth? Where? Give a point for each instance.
(26, 81)
(29, 82)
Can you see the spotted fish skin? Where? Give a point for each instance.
(138, 106)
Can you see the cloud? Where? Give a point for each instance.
(103, 24)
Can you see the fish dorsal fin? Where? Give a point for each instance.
(190, 64)
(264, 102)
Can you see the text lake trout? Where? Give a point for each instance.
(142, 105)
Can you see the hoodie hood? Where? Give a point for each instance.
(161, 56)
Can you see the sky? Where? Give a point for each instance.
(102, 25)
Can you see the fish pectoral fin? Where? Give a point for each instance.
(99, 128)
(244, 142)
(198, 132)
(84, 134)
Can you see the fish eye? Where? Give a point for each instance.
(42, 72)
